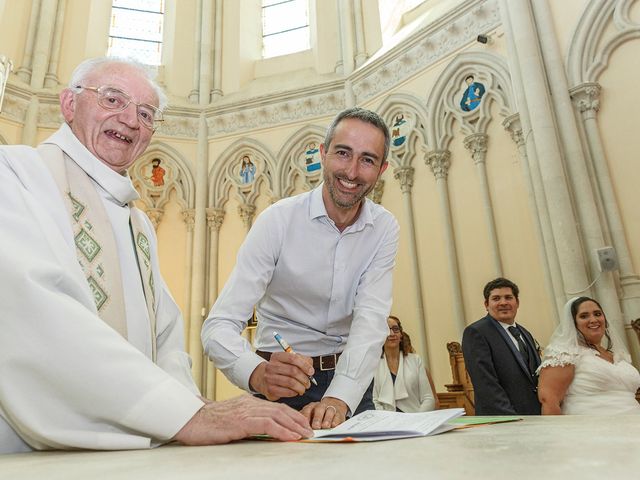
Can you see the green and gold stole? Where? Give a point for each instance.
(96, 247)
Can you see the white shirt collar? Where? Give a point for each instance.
(317, 209)
(119, 187)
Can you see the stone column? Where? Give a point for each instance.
(345, 22)
(438, 161)
(522, 29)
(199, 243)
(206, 69)
(215, 217)
(477, 145)
(405, 176)
(542, 225)
(188, 216)
(586, 208)
(44, 37)
(217, 52)
(24, 72)
(194, 94)
(587, 100)
(30, 129)
(361, 53)
(247, 212)
(51, 78)
(550, 259)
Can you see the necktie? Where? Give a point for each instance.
(522, 346)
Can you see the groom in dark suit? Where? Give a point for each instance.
(501, 356)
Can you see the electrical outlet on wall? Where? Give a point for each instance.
(607, 259)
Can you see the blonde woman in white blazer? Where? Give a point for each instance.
(410, 390)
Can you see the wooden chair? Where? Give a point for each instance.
(459, 393)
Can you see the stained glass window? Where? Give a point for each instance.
(136, 30)
(285, 27)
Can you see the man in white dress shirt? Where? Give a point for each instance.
(92, 350)
(317, 267)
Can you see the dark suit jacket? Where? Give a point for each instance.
(501, 380)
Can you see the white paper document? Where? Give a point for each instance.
(374, 425)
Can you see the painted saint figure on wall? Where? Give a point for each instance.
(247, 170)
(157, 173)
(398, 130)
(312, 157)
(472, 94)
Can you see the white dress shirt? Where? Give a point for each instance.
(506, 329)
(323, 290)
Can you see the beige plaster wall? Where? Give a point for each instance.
(619, 131)
(86, 27)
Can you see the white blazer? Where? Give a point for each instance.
(411, 392)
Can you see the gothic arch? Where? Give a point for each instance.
(155, 189)
(604, 25)
(299, 158)
(225, 175)
(400, 107)
(443, 101)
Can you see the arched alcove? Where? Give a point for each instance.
(444, 100)
(227, 176)
(300, 159)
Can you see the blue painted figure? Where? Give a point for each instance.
(312, 157)
(247, 170)
(472, 95)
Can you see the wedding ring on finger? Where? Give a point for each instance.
(335, 411)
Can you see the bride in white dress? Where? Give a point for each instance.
(580, 376)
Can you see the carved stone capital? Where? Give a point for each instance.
(477, 145)
(215, 217)
(586, 98)
(247, 213)
(189, 218)
(439, 163)
(513, 125)
(378, 190)
(405, 176)
(155, 215)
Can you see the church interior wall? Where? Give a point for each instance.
(620, 136)
(265, 85)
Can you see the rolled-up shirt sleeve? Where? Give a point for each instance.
(230, 314)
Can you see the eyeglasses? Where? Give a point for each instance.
(395, 329)
(116, 100)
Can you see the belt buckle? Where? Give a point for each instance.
(327, 357)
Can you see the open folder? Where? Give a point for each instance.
(375, 425)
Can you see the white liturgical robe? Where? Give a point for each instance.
(67, 379)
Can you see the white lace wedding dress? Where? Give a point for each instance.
(602, 388)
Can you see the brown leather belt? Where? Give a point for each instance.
(322, 363)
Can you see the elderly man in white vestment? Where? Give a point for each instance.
(91, 343)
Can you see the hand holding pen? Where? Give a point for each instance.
(283, 376)
(287, 348)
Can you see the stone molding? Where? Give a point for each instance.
(418, 51)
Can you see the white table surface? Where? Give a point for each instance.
(570, 447)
